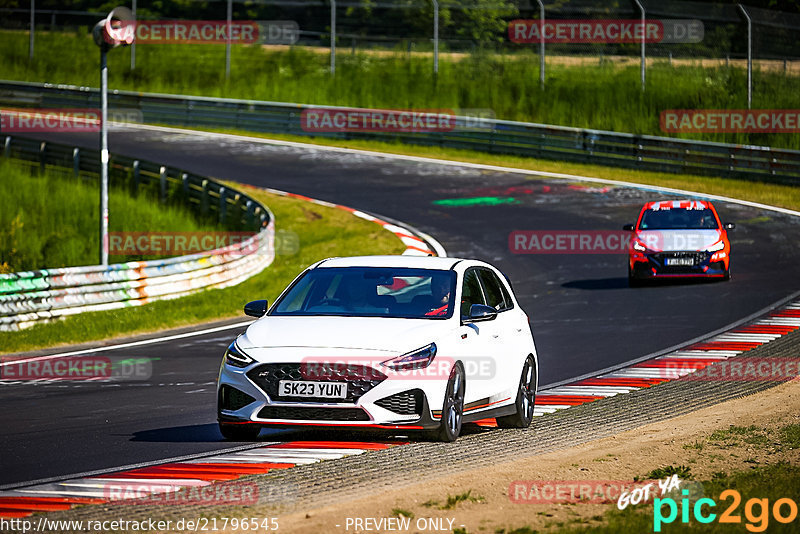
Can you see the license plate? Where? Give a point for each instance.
(680, 261)
(324, 390)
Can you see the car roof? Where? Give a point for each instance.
(413, 262)
(684, 203)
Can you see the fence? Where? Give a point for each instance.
(455, 26)
(28, 298)
(494, 136)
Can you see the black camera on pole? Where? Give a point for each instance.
(118, 28)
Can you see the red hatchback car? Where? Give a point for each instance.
(678, 238)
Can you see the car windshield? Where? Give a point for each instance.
(678, 219)
(371, 292)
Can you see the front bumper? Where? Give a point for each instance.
(250, 395)
(689, 264)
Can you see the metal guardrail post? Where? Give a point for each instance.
(222, 205)
(228, 40)
(185, 184)
(435, 37)
(33, 24)
(204, 198)
(643, 67)
(248, 213)
(42, 156)
(749, 55)
(162, 178)
(7, 147)
(76, 162)
(136, 176)
(541, 43)
(333, 37)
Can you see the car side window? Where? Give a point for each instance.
(471, 292)
(496, 297)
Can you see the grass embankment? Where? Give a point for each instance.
(50, 220)
(604, 96)
(322, 232)
(764, 483)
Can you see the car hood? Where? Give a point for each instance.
(678, 240)
(363, 333)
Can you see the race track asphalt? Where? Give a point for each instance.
(584, 316)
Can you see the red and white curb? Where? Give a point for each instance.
(674, 365)
(416, 244)
(229, 466)
(168, 478)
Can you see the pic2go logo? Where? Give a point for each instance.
(756, 511)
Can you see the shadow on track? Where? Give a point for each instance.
(622, 283)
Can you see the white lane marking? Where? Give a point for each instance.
(780, 321)
(700, 354)
(128, 345)
(479, 166)
(543, 409)
(297, 460)
(606, 391)
(747, 338)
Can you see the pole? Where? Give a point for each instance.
(133, 45)
(644, 38)
(333, 37)
(33, 21)
(103, 157)
(749, 56)
(541, 44)
(435, 37)
(228, 41)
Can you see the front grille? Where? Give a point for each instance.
(232, 399)
(313, 414)
(359, 378)
(403, 403)
(697, 258)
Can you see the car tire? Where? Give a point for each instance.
(727, 275)
(526, 398)
(453, 406)
(238, 432)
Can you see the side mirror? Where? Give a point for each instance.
(257, 308)
(729, 226)
(480, 312)
(628, 228)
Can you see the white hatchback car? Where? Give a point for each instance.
(403, 343)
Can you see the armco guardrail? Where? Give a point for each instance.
(28, 298)
(494, 136)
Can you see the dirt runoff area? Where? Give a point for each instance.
(481, 500)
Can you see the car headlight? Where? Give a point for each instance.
(638, 246)
(418, 359)
(719, 245)
(236, 357)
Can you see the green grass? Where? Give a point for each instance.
(605, 95)
(402, 512)
(51, 220)
(775, 481)
(323, 232)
